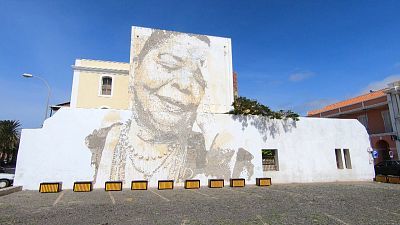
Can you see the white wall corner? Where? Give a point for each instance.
(230, 72)
(75, 86)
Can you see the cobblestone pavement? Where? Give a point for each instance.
(322, 203)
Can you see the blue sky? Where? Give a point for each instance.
(297, 55)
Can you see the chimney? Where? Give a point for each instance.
(235, 85)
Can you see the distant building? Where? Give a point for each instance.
(100, 84)
(375, 111)
(235, 85)
(103, 85)
(55, 108)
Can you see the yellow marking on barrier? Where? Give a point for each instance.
(237, 183)
(215, 183)
(393, 179)
(50, 187)
(381, 178)
(165, 184)
(82, 187)
(192, 184)
(263, 181)
(113, 186)
(139, 185)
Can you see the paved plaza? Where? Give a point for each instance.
(327, 203)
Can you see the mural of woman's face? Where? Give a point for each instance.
(169, 83)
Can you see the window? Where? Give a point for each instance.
(339, 160)
(270, 159)
(106, 84)
(347, 159)
(363, 120)
(386, 121)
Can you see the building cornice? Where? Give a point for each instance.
(382, 134)
(339, 108)
(100, 70)
(354, 110)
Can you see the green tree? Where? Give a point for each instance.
(9, 136)
(245, 106)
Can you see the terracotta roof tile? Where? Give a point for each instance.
(351, 101)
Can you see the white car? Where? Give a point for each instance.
(6, 179)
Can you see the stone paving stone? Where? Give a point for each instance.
(322, 203)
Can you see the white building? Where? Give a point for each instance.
(163, 116)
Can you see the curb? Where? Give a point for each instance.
(10, 190)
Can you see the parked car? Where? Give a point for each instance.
(388, 167)
(6, 179)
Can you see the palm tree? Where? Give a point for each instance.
(9, 136)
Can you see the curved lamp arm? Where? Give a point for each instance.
(27, 75)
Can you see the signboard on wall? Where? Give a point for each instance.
(375, 154)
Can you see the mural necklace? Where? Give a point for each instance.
(124, 146)
(146, 175)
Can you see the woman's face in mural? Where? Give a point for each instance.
(169, 83)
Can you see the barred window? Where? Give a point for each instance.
(270, 159)
(386, 121)
(339, 159)
(347, 159)
(106, 85)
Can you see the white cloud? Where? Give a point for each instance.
(377, 85)
(300, 76)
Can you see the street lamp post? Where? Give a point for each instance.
(28, 75)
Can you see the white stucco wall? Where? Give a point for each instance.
(57, 152)
(307, 154)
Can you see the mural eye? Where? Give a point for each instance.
(169, 61)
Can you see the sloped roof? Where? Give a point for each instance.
(351, 101)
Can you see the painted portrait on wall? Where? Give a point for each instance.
(178, 81)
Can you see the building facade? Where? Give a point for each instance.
(100, 84)
(374, 111)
